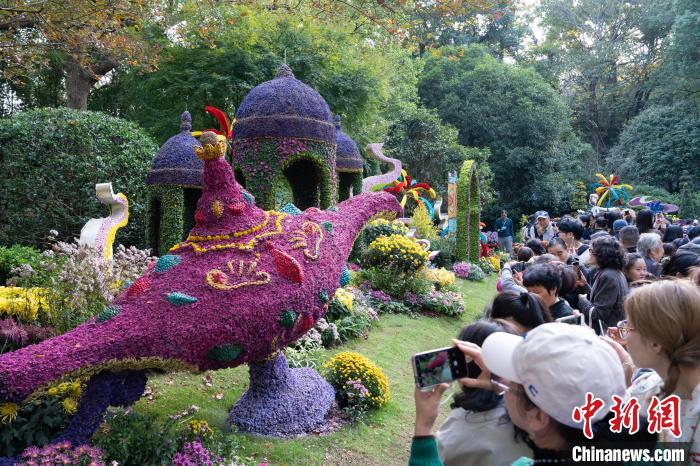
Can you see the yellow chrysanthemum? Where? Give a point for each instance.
(8, 412)
(347, 366)
(70, 405)
(441, 276)
(23, 303)
(344, 297)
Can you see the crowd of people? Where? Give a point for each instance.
(605, 305)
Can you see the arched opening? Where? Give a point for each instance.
(192, 196)
(305, 179)
(154, 210)
(238, 173)
(345, 182)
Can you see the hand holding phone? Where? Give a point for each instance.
(434, 367)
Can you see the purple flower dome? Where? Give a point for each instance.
(284, 107)
(347, 156)
(176, 163)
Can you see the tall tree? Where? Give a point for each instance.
(602, 53)
(658, 145)
(513, 112)
(242, 48)
(86, 38)
(430, 149)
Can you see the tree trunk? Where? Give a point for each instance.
(79, 81)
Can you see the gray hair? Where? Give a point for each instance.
(647, 242)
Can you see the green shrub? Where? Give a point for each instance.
(15, 256)
(50, 161)
(305, 355)
(395, 285)
(446, 246)
(137, 439)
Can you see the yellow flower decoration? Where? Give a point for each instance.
(23, 303)
(441, 277)
(70, 405)
(347, 366)
(8, 412)
(200, 428)
(344, 297)
(397, 252)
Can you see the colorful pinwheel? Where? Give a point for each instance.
(611, 191)
(404, 186)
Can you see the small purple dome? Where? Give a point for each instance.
(176, 163)
(284, 107)
(347, 156)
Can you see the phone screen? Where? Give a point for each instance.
(439, 366)
(576, 319)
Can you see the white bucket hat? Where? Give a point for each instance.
(558, 364)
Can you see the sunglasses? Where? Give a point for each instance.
(624, 329)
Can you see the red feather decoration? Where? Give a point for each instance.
(222, 119)
(287, 266)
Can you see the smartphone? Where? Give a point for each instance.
(443, 365)
(577, 268)
(520, 266)
(576, 319)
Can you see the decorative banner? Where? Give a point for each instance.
(100, 232)
(452, 202)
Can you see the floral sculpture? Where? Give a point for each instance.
(284, 129)
(100, 232)
(348, 163)
(244, 284)
(611, 192)
(404, 186)
(655, 205)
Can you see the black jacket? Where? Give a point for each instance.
(606, 300)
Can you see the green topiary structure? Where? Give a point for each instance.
(468, 213)
(50, 161)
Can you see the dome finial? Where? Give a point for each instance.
(185, 121)
(284, 71)
(337, 121)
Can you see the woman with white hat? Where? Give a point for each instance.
(544, 377)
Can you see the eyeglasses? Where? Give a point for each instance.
(624, 329)
(499, 388)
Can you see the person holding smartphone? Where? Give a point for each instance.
(535, 403)
(478, 413)
(605, 306)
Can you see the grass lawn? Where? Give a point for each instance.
(383, 440)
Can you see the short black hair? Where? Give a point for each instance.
(527, 309)
(673, 232)
(536, 246)
(693, 232)
(629, 236)
(608, 252)
(525, 254)
(681, 263)
(570, 225)
(547, 276)
(585, 220)
(477, 399)
(670, 249)
(556, 241)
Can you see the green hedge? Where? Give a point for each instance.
(50, 161)
(468, 213)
